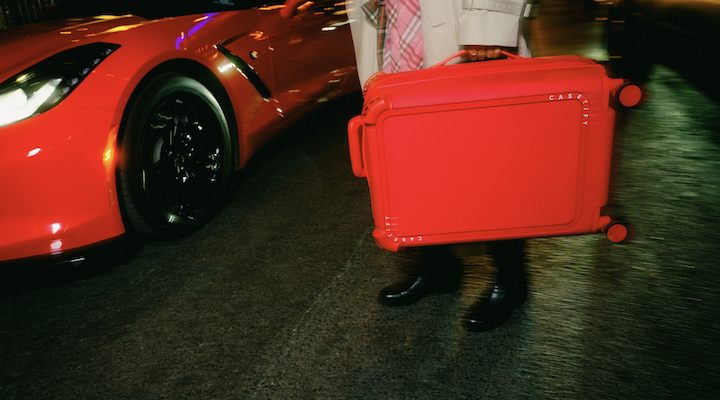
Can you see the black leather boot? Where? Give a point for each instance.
(509, 292)
(438, 271)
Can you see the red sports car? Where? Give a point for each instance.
(137, 118)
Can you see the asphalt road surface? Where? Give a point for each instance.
(275, 299)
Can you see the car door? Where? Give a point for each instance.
(311, 48)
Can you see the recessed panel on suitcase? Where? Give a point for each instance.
(448, 170)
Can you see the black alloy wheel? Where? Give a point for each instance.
(176, 161)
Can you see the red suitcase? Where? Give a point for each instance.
(501, 149)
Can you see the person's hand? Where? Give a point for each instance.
(479, 52)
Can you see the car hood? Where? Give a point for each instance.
(33, 43)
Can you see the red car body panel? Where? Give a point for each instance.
(57, 169)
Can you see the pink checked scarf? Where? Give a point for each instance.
(399, 34)
(403, 39)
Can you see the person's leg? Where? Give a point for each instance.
(436, 271)
(509, 291)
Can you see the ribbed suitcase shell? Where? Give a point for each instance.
(472, 152)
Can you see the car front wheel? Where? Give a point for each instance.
(176, 158)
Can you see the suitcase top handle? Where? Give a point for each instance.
(464, 53)
(461, 53)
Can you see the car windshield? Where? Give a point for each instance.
(151, 9)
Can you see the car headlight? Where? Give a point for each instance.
(45, 84)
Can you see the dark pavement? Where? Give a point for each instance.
(275, 299)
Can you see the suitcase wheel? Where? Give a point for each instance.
(630, 95)
(626, 93)
(616, 232)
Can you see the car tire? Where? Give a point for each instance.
(176, 158)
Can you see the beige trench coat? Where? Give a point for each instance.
(446, 28)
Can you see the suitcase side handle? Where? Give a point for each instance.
(464, 53)
(355, 140)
